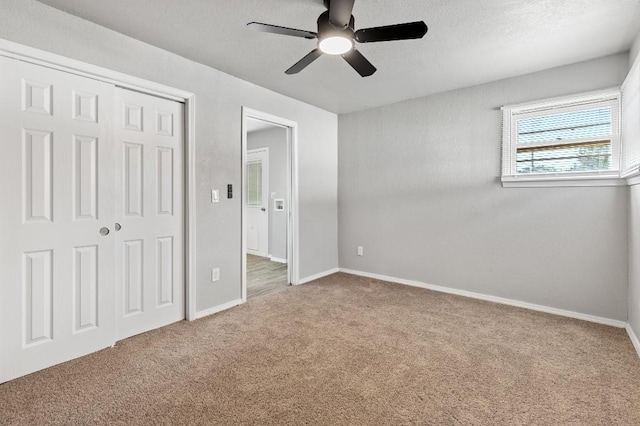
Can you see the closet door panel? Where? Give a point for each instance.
(57, 186)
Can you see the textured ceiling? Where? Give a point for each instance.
(469, 41)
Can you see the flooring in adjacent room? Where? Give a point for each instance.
(347, 350)
(265, 276)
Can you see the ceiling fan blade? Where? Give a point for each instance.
(359, 63)
(410, 30)
(275, 29)
(302, 63)
(340, 12)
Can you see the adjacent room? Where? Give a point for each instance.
(267, 189)
(320, 212)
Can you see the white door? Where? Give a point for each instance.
(56, 188)
(257, 202)
(149, 209)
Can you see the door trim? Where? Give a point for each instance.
(292, 182)
(62, 63)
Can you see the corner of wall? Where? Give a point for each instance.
(634, 338)
(634, 50)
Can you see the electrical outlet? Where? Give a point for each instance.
(360, 251)
(215, 275)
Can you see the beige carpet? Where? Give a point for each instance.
(347, 350)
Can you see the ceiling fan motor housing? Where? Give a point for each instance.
(327, 29)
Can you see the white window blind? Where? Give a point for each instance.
(631, 122)
(572, 125)
(254, 183)
(564, 142)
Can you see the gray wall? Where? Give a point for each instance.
(419, 188)
(219, 98)
(276, 140)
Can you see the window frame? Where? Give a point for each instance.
(512, 113)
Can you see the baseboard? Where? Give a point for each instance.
(266, 256)
(318, 276)
(634, 338)
(277, 259)
(495, 299)
(219, 308)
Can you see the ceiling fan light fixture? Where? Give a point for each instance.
(335, 45)
(337, 36)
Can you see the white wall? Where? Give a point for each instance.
(633, 303)
(219, 98)
(419, 188)
(276, 140)
(634, 259)
(634, 50)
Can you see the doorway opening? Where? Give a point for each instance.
(269, 196)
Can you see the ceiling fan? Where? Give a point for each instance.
(336, 36)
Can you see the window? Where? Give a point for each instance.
(569, 141)
(631, 124)
(254, 183)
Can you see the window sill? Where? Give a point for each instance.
(632, 175)
(545, 181)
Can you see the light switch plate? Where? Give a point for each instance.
(215, 196)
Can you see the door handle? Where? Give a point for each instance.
(104, 231)
(263, 209)
(117, 226)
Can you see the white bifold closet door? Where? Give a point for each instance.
(57, 192)
(149, 245)
(91, 222)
